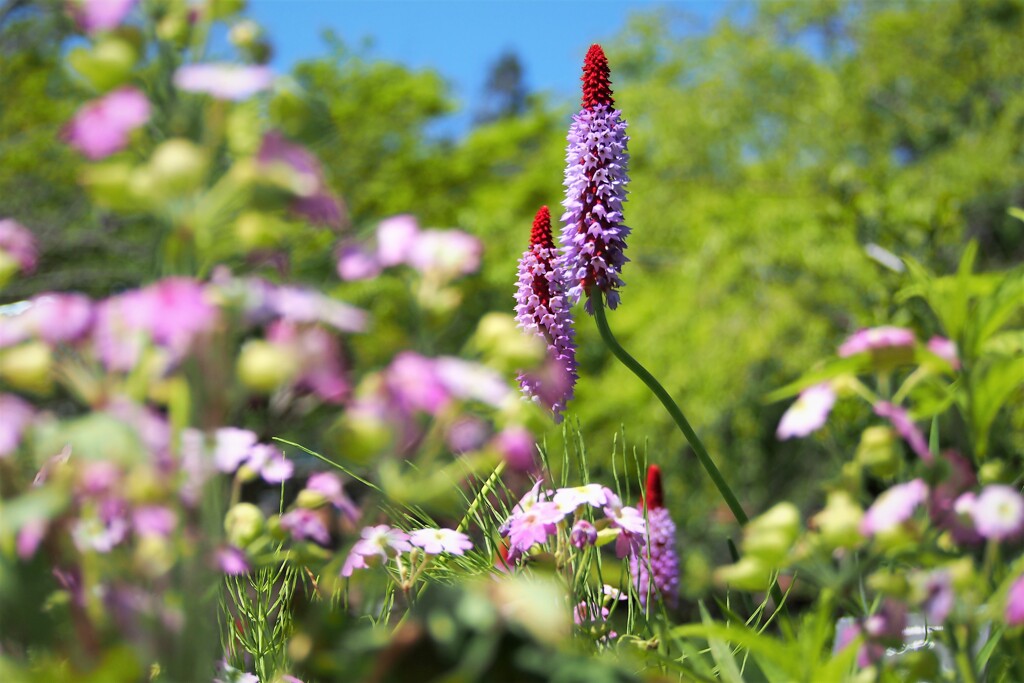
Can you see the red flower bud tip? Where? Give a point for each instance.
(597, 82)
(541, 233)
(653, 495)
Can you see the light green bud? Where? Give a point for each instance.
(243, 524)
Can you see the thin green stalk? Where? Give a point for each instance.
(647, 378)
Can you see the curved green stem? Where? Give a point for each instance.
(597, 301)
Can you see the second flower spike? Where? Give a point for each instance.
(541, 309)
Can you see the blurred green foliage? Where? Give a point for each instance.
(767, 153)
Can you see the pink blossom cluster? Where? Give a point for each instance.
(379, 543)
(399, 241)
(995, 513)
(540, 514)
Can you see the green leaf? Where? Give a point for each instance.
(992, 384)
(727, 668)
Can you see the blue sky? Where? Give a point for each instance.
(462, 38)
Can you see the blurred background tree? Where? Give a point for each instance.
(775, 160)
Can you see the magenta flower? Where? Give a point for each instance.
(375, 542)
(998, 512)
(467, 380)
(232, 561)
(234, 82)
(232, 447)
(900, 419)
(18, 243)
(583, 534)
(154, 520)
(414, 383)
(93, 16)
(30, 536)
(271, 464)
(313, 199)
(445, 254)
(655, 569)
(17, 415)
(894, 507)
(939, 596)
(60, 318)
(595, 188)
(594, 495)
(1015, 603)
(542, 310)
(517, 447)
(102, 127)
(355, 262)
(946, 350)
(301, 305)
(469, 433)
(533, 526)
(808, 413)
(630, 522)
(330, 487)
(319, 356)
(302, 524)
(437, 541)
(876, 338)
(396, 237)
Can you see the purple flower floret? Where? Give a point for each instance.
(876, 338)
(304, 524)
(437, 541)
(595, 184)
(583, 534)
(894, 507)
(542, 310)
(375, 544)
(998, 512)
(234, 82)
(102, 127)
(808, 413)
(906, 428)
(1015, 603)
(19, 244)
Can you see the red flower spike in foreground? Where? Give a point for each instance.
(541, 309)
(656, 570)
(595, 188)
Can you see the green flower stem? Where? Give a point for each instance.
(647, 378)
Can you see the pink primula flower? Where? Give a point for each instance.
(437, 541)
(906, 428)
(445, 253)
(594, 495)
(1015, 603)
(16, 415)
(534, 526)
(376, 542)
(234, 82)
(894, 507)
(355, 262)
(395, 239)
(998, 512)
(102, 127)
(516, 445)
(946, 350)
(808, 414)
(19, 243)
(302, 524)
(93, 16)
(876, 338)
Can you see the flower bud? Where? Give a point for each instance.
(993, 472)
(108, 64)
(879, 451)
(257, 230)
(263, 367)
(27, 367)
(839, 522)
(112, 185)
(583, 534)
(769, 536)
(154, 556)
(506, 346)
(243, 524)
(178, 167)
(750, 574)
(889, 582)
(310, 500)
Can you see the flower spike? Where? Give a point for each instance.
(656, 570)
(541, 309)
(595, 188)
